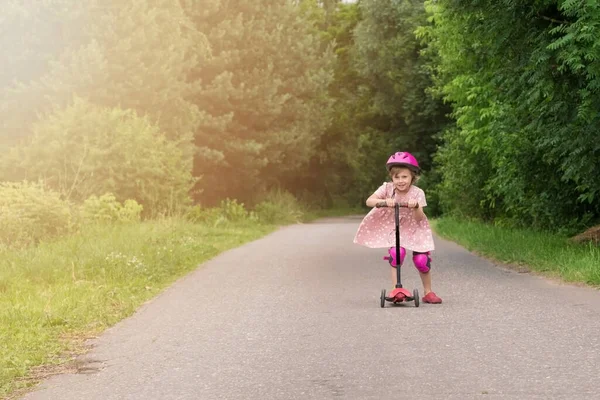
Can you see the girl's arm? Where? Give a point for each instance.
(417, 210)
(418, 213)
(373, 200)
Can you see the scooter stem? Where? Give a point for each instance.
(398, 260)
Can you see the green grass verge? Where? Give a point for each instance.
(550, 254)
(56, 293)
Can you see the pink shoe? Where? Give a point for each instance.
(431, 298)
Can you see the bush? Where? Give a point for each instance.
(198, 214)
(233, 211)
(429, 183)
(279, 207)
(228, 211)
(30, 213)
(276, 207)
(86, 150)
(106, 208)
(463, 177)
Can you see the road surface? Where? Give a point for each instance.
(296, 315)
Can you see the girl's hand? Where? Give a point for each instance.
(413, 204)
(390, 202)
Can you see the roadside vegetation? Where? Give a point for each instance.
(141, 138)
(59, 291)
(547, 253)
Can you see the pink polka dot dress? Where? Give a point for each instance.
(377, 229)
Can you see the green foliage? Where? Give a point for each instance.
(233, 211)
(78, 286)
(30, 213)
(239, 86)
(279, 206)
(263, 95)
(106, 208)
(523, 85)
(390, 60)
(27, 52)
(201, 215)
(228, 211)
(380, 100)
(459, 192)
(543, 251)
(349, 157)
(429, 182)
(131, 55)
(86, 150)
(273, 207)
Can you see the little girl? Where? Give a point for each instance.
(378, 228)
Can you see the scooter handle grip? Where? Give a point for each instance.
(384, 204)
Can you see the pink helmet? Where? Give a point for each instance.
(403, 159)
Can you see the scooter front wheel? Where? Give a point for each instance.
(416, 297)
(382, 298)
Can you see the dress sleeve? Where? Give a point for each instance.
(381, 192)
(421, 198)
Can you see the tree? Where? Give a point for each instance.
(263, 96)
(523, 84)
(390, 60)
(133, 55)
(85, 150)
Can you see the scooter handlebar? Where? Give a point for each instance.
(383, 204)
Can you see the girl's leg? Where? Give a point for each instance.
(426, 279)
(423, 263)
(391, 257)
(393, 262)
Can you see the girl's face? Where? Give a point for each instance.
(402, 180)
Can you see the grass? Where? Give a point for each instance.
(544, 252)
(56, 293)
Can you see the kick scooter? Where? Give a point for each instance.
(399, 294)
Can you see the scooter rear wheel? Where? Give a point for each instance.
(416, 297)
(382, 298)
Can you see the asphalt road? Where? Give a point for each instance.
(296, 315)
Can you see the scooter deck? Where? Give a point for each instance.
(396, 300)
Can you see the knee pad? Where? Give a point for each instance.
(422, 261)
(392, 256)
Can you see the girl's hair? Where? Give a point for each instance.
(394, 170)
